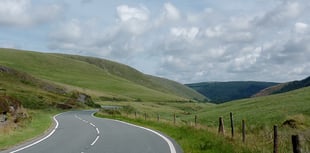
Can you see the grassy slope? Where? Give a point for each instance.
(131, 74)
(284, 87)
(269, 110)
(41, 121)
(220, 92)
(78, 73)
(259, 113)
(29, 90)
(177, 88)
(192, 140)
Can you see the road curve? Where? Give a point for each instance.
(81, 132)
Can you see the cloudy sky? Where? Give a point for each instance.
(183, 40)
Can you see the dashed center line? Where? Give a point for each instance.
(95, 141)
(97, 131)
(93, 125)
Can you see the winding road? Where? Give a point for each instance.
(81, 132)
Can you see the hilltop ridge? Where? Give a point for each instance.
(102, 78)
(220, 92)
(284, 87)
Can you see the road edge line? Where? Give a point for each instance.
(168, 141)
(40, 140)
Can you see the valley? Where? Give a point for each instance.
(47, 84)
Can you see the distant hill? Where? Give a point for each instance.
(220, 92)
(131, 74)
(101, 78)
(284, 87)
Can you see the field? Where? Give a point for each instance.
(39, 77)
(260, 115)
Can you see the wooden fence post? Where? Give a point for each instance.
(174, 118)
(195, 120)
(221, 126)
(232, 125)
(243, 131)
(275, 139)
(135, 114)
(296, 144)
(144, 116)
(157, 117)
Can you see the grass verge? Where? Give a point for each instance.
(192, 140)
(40, 122)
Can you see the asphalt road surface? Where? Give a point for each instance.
(80, 132)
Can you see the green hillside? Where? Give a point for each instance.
(290, 111)
(267, 110)
(131, 74)
(99, 79)
(220, 92)
(32, 92)
(284, 87)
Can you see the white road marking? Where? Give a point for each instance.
(170, 144)
(95, 141)
(93, 125)
(98, 132)
(50, 134)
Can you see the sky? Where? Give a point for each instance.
(187, 41)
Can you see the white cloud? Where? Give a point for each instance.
(287, 10)
(25, 13)
(88, 38)
(239, 37)
(182, 42)
(68, 32)
(241, 23)
(74, 35)
(126, 13)
(171, 12)
(216, 31)
(14, 12)
(216, 52)
(133, 20)
(246, 59)
(186, 33)
(301, 27)
(291, 9)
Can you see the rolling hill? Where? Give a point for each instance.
(272, 109)
(42, 80)
(290, 111)
(149, 81)
(284, 87)
(99, 77)
(220, 92)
